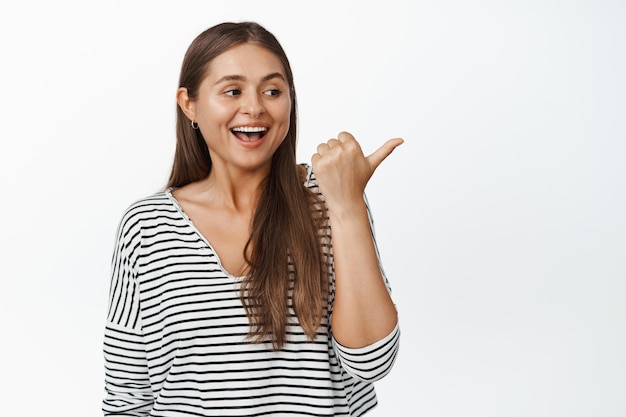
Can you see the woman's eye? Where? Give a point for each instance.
(233, 92)
(275, 92)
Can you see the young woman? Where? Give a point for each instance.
(230, 296)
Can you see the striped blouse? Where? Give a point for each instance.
(175, 340)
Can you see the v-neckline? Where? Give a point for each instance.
(197, 231)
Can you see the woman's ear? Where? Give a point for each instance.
(186, 104)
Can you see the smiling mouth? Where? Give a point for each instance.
(249, 133)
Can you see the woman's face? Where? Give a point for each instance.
(243, 108)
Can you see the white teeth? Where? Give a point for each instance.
(249, 129)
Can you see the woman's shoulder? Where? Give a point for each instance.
(306, 172)
(150, 202)
(148, 207)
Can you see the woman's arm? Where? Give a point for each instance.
(363, 311)
(127, 384)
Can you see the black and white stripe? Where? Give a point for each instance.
(175, 341)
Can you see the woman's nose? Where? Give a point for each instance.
(253, 106)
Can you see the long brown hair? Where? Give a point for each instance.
(284, 251)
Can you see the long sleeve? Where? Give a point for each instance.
(373, 362)
(127, 384)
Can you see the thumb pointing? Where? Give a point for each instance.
(383, 152)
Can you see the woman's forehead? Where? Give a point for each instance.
(246, 61)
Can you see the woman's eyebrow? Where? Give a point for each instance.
(235, 77)
(274, 75)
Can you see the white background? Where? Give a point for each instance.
(501, 220)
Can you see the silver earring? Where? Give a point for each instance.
(194, 125)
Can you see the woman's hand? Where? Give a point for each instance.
(342, 170)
